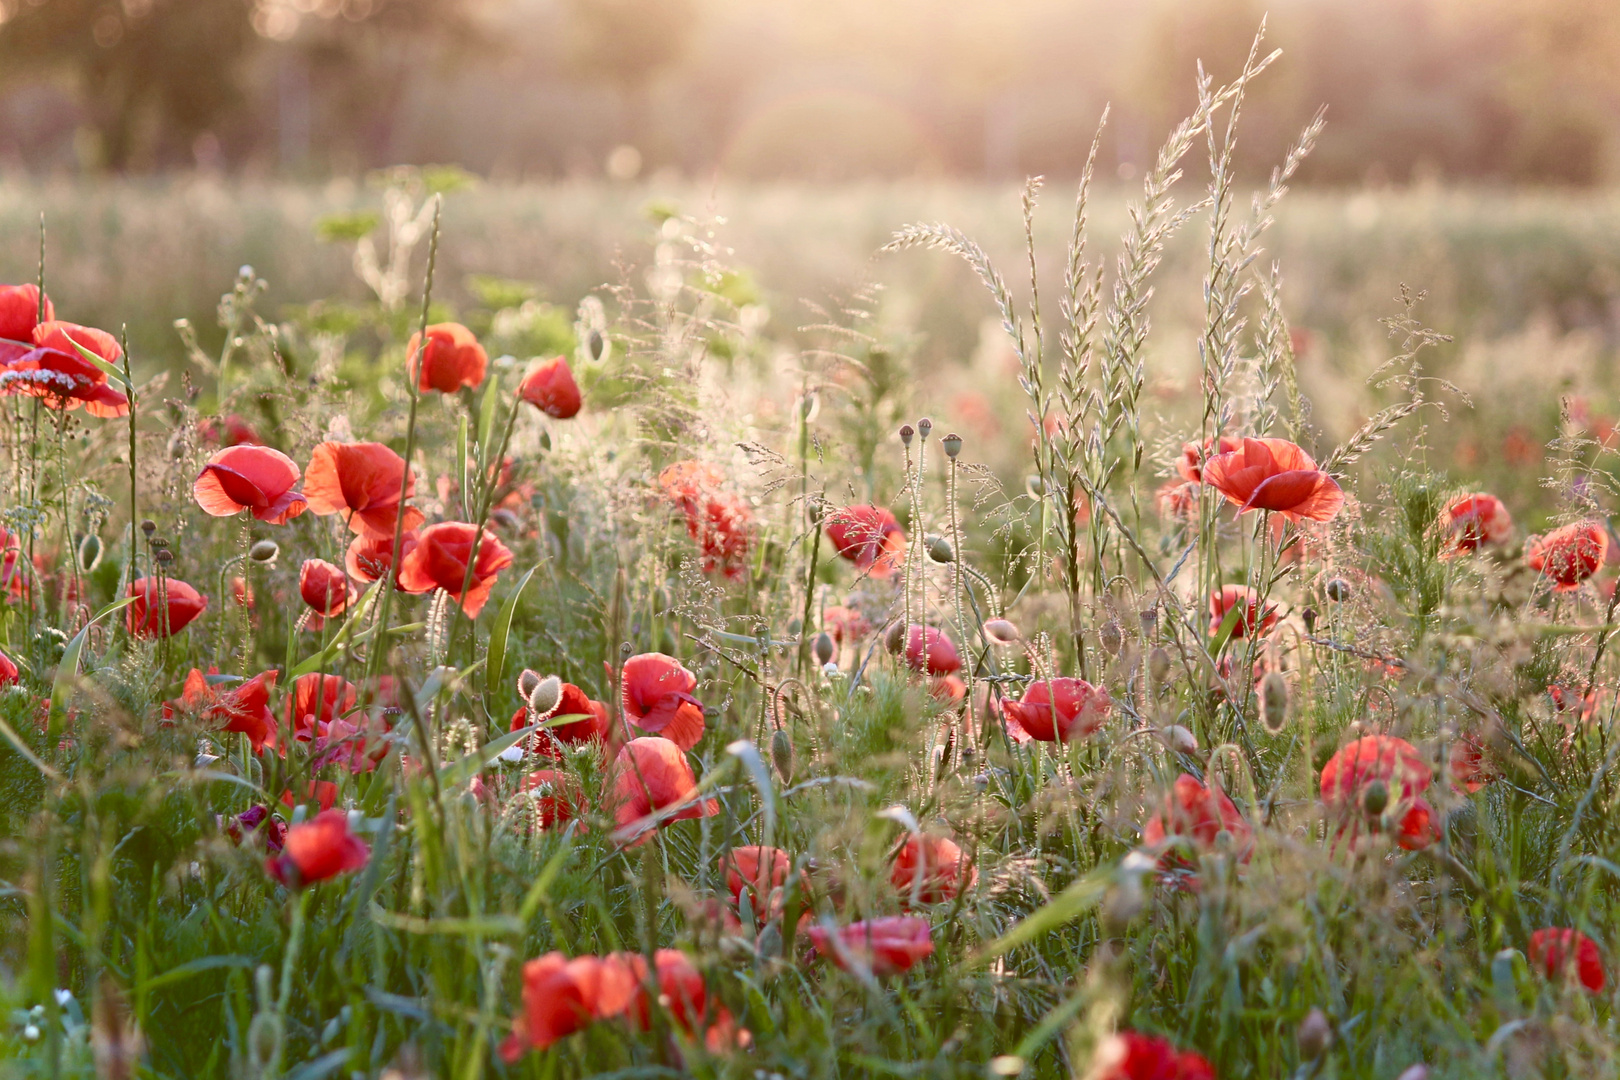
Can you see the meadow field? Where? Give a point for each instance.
(654, 630)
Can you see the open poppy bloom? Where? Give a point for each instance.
(682, 994)
(356, 741)
(19, 314)
(1274, 474)
(453, 358)
(845, 624)
(1569, 555)
(887, 946)
(1198, 815)
(1130, 1055)
(243, 708)
(369, 557)
(1253, 617)
(317, 850)
(931, 870)
(59, 375)
(439, 561)
(1080, 709)
(562, 996)
(8, 671)
(321, 794)
(1560, 951)
(228, 430)
(653, 785)
(324, 587)
(1178, 500)
(162, 608)
(1474, 521)
(1377, 778)
(362, 481)
(551, 389)
(1190, 465)
(869, 537)
(760, 870)
(253, 824)
(718, 520)
(316, 701)
(556, 796)
(256, 478)
(591, 727)
(658, 698)
(942, 657)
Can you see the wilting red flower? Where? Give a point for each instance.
(592, 727)
(317, 700)
(1178, 501)
(317, 850)
(720, 521)
(369, 557)
(1130, 1055)
(439, 561)
(652, 776)
(1569, 555)
(1556, 951)
(888, 946)
(556, 796)
(869, 537)
(1274, 474)
(256, 822)
(242, 708)
(256, 478)
(758, 869)
(1392, 762)
(362, 481)
(1254, 617)
(19, 315)
(162, 608)
(8, 671)
(1081, 709)
(1474, 521)
(562, 996)
(453, 358)
(242, 592)
(942, 658)
(1198, 814)
(58, 374)
(934, 866)
(1190, 465)
(658, 698)
(229, 430)
(324, 587)
(551, 389)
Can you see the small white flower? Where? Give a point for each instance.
(31, 1033)
(64, 996)
(512, 753)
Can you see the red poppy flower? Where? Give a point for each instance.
(13, 576)
(324, 587)
(556, 795)
(243, 707)
(58, 374)
(1469, 768)
(1178, 501)
(369, 557)
(869, 537)
(942, 658)
(439, 561)
(162, 608)
(931, 869)
(1253, 616)
(948, 688)
(658, 698)
(1274, 474)
(1569, 555)
(256, 823)
(1198, 814)
(316, 701)
(719, 521)
(317, 850)
(562, 996)
(256, 478)
(8, 671)
(1190, 465)
(1397, 765)
(362, 481)
(230, 430)
(1474, 521)
(681, 993)
(551, 389)
(1556, 951)
(888, 946)
(845, 624)
(1081, 709)
(572, 701)
(357, 742)
(19, 315)
(1130, 1055)
(242, 592)
(453, 358)
(320, 793)
(652, 777)
(758, 869)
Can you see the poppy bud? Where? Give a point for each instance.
(924, 426)
(1274, 701)
(782, 754)
(527, 680)
(1375, 798)
(264, 551)
(1179, 739)
(596, 346)
(1122, 902)
(1002, 632)
(1159, 664)
(1111, 637)
(1309, 615)
(1338, 590)
(794, 626)
(895, 638)
(906, 433)
(952, 444)
(165, 556)
(546, 695)
(816, 508)
(809, 405)
(90, 552)
(1419, 1071)
(939, 550)
(1034, 485)
(824, 648)
(1315, 1035)
(148, 526)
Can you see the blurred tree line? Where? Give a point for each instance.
(1494, 90)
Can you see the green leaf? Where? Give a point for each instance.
(548, 875)
(1071, 903)
(105, 368)
(340, 640)
(486, 425)
(472, 926)
(347, 228)
(323, 1066)
(461, 461)
(464, 769)
(194, 967)
(495, 668)
(67, 672)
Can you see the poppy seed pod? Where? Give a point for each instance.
(1111, 637)
(1002, 632)
(1315, 1035)
(264, 551)
(952, 444)
(1338, 590)
(546, 695)
(1274, 701)
(164, 555)
(1375, 798)
(148, 526)
(824, 647)
(924, 426)
(939, 550)
(527, 680)
(906, 432)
